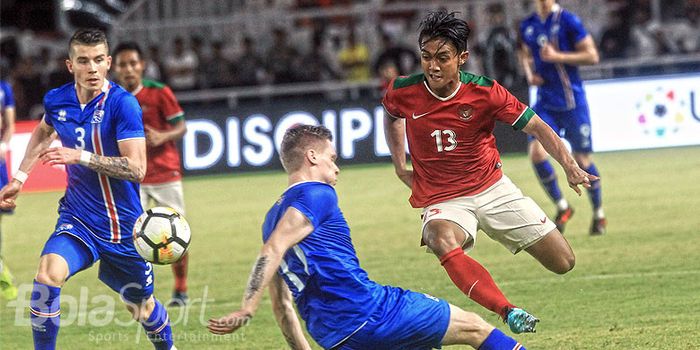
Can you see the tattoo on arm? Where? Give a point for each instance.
(256, 277)
(117, 167)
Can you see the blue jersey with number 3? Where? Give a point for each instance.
(333, 294)
(107, 206)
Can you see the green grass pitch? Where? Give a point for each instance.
(637, 287)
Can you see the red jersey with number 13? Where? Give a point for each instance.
(160, 111)
(451, 142)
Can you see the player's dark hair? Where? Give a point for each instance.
(128, 46)
(89, 36)
(444, 25)
(296, 140)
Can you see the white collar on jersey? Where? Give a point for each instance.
(443, 99)
(137, 90)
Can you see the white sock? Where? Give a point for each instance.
(562, 204)
(598, 213)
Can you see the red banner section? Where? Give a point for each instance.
(43, 178)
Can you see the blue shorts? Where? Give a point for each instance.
(573, 125)
(121, 267)
(4, 180)
(404, 320)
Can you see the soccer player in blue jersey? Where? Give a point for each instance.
(104, 151)
(308, 257)
(7, 128)
(555, 41)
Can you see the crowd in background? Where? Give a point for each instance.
(197, 61)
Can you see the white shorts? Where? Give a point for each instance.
(167, 194)
(501, 211)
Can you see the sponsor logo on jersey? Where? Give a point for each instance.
(420, 115)
(62, 115)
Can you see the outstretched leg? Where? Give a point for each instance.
(468, 328)
(445, 239)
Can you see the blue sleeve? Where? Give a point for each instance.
(47, 108)
(317, 203)
(9, 99)
(575, 29)
(129, 116)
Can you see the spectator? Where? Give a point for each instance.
(154, 66)
(403, 59)
(614, 43)
(282, 58)
(648, 38)
(317, 64)
(217, 68)
(354, 59)
(500, 59)
(181, 67)
(247, 68)
(59, 74)
(685, 34)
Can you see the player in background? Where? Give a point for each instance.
(104, 151)
(164, 122)
(308, 257)
(449, 116)
(7, 128)
(556, 43)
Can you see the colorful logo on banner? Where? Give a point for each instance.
(661, 113)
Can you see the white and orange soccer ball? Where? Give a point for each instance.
(161, 235)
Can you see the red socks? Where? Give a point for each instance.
(475, 281)
(180, 272)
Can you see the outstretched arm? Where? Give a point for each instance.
(290, 230)
(130, 165)
(395, 134)
(286, 316)
(41, 138)
(537, 128)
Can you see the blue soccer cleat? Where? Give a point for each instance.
(520, 321)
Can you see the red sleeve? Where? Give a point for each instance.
(389, 101)
(171, 108)
(509, 109)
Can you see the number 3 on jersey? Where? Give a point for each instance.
(81, 138)
(451, 140)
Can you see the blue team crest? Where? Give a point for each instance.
(97, 116)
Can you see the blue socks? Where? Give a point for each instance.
(548, 179)
(594, 192)
(499, 341)
(45, 314)
(158, 328)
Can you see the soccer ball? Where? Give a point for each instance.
(161, 235)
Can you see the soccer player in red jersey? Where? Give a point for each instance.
(449, 116)
(164, 123)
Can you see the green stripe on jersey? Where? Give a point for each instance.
(152, 84)
(408, 81)
(523, 119)
(176, 119)
(466, 77)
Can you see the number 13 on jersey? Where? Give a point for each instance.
(451, 138)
